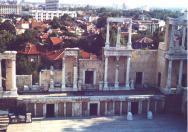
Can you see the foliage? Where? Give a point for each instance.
(6, 40)
(55, 23)
(66, 17)
(164, 13)
(8, 26)
(31, 35)
(101, 22)
(93, 44)
(25, 66)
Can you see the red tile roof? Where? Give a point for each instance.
(30, 49)
(86, 55)
(56, 40)
(44, 36)
(55, 55)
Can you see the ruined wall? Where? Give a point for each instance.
(22, 80)
(103, 107)
(162, 67)
(93, 65)
(144, 61)
(45, 77)
(9, 78)
(112, 68)
(69, 65)
(175, 71)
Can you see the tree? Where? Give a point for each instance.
(8, 26)
(6, 40)
(55, 23)
(66, 17)
(31, 35)
(101, 22)
(92, 43)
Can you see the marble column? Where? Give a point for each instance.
(128, 72)
(75, 77)
(169, 77)
(183, 39)
(107, 43)
(14, 88)
(180, 74)
(44, 110)
(148, 105)
(171, 44)
(117, 73)
(140, 107)
(106, 108)
(51, 77)
(1, 87)
(98, 109)
(65, 109)
(56, 109)
(35, 111)
(106, 73)
(63, 86)
(118, 36)
(129, 37)
(121, 107)
(129, 106)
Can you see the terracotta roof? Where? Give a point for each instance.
(55, 55)
(86, 55)
(145, 40)
(30, 49)
(44, 36)
(56, 40)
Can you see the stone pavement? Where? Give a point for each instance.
(160, 123)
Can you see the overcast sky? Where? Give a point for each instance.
(129, 3)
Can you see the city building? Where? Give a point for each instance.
(52, 5)
(10, 9)
(123, 80)
(42, 15)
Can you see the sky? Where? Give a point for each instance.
(129, 3)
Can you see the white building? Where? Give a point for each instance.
(52, 5)
(10, 9)
(42, 15)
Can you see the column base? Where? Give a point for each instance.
(165, 90)
(116, 85)
(1, 89)
(75, 87)
(6, 94)
(107, 45)
(63, 86)
(54, 90)
(129, 46)
(127, 87)
(178, 89)
(105, 85)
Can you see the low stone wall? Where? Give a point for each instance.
(22, 80)
(93, 105)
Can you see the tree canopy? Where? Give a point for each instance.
(6, 40)
(8, 26)
(31, 35)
